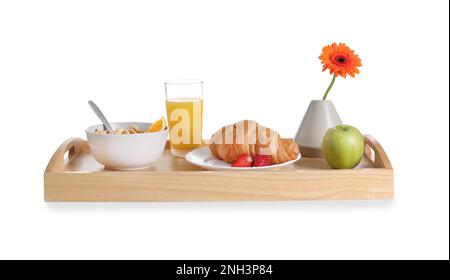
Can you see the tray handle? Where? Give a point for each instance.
(73, 146)
(375, 152)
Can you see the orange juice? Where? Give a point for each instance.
(184, 116)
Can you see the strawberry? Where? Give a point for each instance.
(262, 160)
(243, 160)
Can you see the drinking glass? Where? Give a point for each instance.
(184, 104)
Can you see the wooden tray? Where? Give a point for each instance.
(73, 175)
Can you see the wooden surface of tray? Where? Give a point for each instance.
(73, 175)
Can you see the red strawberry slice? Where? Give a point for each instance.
(262, 160)
(243, 160)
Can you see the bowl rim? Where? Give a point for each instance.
(89, 130)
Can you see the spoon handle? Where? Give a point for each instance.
(100, 116)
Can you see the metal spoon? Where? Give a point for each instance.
(100, 115)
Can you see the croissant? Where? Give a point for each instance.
(248, 137)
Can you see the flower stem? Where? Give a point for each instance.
(329, 88)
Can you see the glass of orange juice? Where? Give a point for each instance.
(184, 104)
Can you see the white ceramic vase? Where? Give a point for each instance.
(320, 116)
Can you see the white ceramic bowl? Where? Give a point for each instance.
(127, 152)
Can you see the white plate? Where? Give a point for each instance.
(203, 158)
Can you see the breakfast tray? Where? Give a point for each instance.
(73, 175)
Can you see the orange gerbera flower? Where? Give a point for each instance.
(340, 60)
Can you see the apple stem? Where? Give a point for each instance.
(329, 87)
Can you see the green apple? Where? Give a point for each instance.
(343, 147)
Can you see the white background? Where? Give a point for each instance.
(259, 60)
